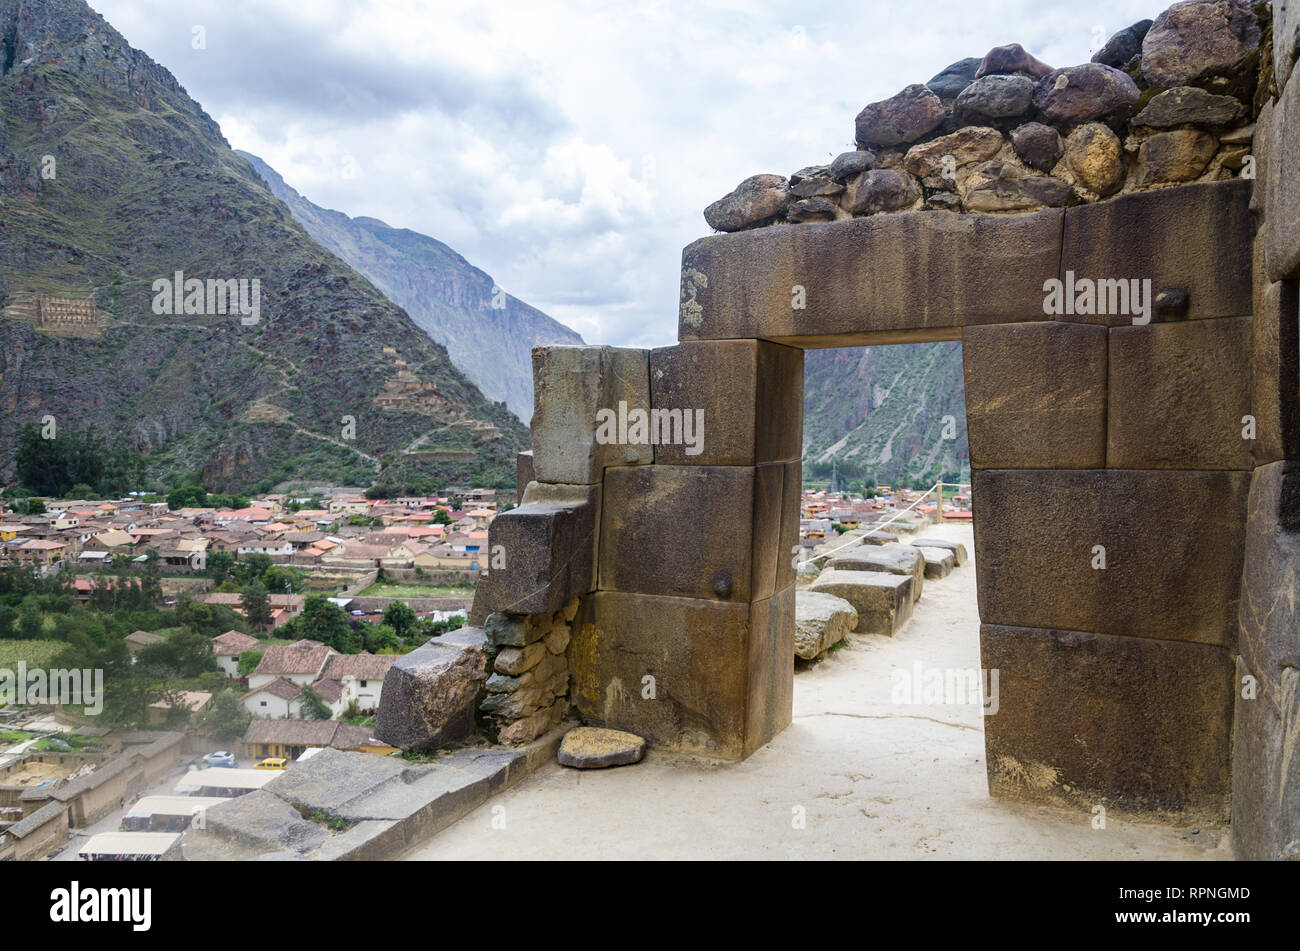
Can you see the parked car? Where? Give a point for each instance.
(222, 759)
(272, 762)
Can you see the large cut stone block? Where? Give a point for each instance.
(709, 532)
(746, 397)
(1270, 578)
(1275, 370)
(542, 555)
(1035, 395)
(788, 549)
(1122, 722)
(891, 559)
(882, 279)
(1172, 544)
(1193, 239)
(883, 601)
(1179, 395)
(430, 694)
(1265, 780)
(939, 562)
(959, 553)
(821, 620)
(571, 386)
(1281, 197)
(682, 672)
(524, 474)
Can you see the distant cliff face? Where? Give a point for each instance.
(112, 178)
(891, 413)
(489, 334)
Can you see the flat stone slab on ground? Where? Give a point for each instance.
(883, 601)
(957, 548)
(891, 559)
(820, 620)
(938, 561)
(593, 748)
(879, 538)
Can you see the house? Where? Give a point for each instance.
(195, 701)
(112, 540)
(139, 640)
(366, 672)
(300, 662)
(40, 552)
(276, 699)
(291, 738)
(227, 647)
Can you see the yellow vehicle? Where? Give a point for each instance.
(272, 762)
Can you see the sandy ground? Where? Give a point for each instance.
(871, 779)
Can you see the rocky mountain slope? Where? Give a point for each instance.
(112, 178)
(882, 412)
(489, 334)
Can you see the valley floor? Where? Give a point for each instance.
(875, 780)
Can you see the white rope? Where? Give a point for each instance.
(877, 527)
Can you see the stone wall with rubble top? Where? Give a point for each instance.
(1164, 102)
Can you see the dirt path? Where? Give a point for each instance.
(872, 778)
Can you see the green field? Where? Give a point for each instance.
(381, 589)
(35, 653)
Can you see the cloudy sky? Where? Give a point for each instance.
(568, 149)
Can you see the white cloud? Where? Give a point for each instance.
(568, 149)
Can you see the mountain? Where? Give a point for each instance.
(489, 334)
(879, 413)
(112, 179)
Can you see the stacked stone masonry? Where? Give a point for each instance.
(1117, 246)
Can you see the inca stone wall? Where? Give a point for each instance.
(1117, 246)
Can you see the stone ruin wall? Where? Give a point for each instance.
(1163, 684)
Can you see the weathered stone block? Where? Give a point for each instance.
(1275, 371)
(891, 559)
(1265, 782)
(430, 695)
(734, 513)
(1122, 722)
(591, 748)
(883, 601)
(1195, 239)
(1035, 395)
(698, 655)
(788, 550)
(571, 386)
(524, 474)
(820, 621)
(1179, 394)
(959, 553)
(1281, 198)
(1172, 544)
(543, 554)
(884, 279)
(741, 400)
(939, 562)
(1270, 579)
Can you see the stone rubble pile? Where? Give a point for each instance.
(1164, 102)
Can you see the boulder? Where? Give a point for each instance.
(430, 694)
(900, 119)
(971, 144)
(757, 199)
(816, 186)
(883, 601)
(588, 747)
(881, 190)
(958, 550)
(811, 209)
(1039, 146)
(1011, 59)
(1096, 158)
(1078, 94)
(949, 83)
(848, 164)
(1001, 186)
(1177, 156)
(879, 537)
(1189, 105)
(995, 97)
(1125, 46)
(820, 621)
(1198, 38)
(939, 562)
(891, 559)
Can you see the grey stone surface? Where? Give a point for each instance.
(598, 748)
(261, 821)
(1078, 94)
(430, 695)
(1189, 105)
(949, 82)
(901, 119)
(820, 621)
(891, 559)
(959, 553)
(757, 199)
(995, 97)
(1124, 46)
(1039, 146)
(883, 601)
(939, 562)
(1197, 38)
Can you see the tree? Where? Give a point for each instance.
(7, 618)
(440, 517)
(227, 719)
(220, 564)
(325, 622)
(248, 662)
(256, 604)
(187, 496)
(279, 578)
(312, 706)
(380, 638)
(31, 623)
(400, 617)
